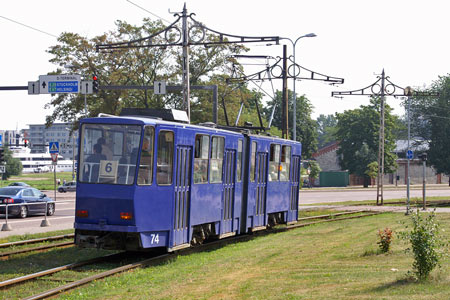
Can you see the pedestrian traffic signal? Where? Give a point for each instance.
(2, 157)
(95, 84)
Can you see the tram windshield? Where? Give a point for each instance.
(109, 153)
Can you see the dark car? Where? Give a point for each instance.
(30, 200)
(18, 184)
(69, 186)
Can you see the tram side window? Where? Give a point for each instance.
(253, 162)
(146, 162)
(239, 161)
(274, 162)
(285, 164)
(164, 166)
(217, 145)
(201, 158)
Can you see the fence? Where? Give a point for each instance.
(44, 223)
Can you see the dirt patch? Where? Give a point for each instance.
(26, 178)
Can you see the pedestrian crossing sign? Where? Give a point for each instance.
(53, 147)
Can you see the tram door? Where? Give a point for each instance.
(182, 195)
(261, 185)
(294, 183)
(228, 191)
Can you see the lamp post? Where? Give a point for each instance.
(408, 93)
(294, 119)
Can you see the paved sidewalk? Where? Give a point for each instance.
(384, 208)
(400, 187)
(34, 226)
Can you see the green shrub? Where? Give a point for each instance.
(426, 243)
(386, 237)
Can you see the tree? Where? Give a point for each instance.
(358, 133)
(372, 170)
(326, 129)
(136, 66)
(13, 165)
(314, 171)
(430, 120)
(306, 127)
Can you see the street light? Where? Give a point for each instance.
(408, 93)
(294, 119)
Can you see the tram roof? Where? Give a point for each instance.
(138, 120)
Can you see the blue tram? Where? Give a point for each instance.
(145, 183)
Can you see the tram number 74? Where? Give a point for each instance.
(155, 238)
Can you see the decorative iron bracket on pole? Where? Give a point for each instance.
(294, 71)
(281, 70)
(181, 34)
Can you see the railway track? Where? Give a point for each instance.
(7, 254)
(160, 258)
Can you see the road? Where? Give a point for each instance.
(332, 195)
(65, 205)
(62, 219)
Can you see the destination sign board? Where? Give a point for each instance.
(57, 84)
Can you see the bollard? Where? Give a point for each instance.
(45, 222)
(6, 226)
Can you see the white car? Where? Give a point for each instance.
(43, 169)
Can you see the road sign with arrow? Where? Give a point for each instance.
(159, 88)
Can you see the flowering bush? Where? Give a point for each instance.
(386, 237)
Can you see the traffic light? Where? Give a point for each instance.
(25, 143)
(2, 157)
(95, 84)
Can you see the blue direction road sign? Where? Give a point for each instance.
(1, 140)
(53, 147)
(409, 154)
(62, 87)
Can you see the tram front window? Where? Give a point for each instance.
(109, 153)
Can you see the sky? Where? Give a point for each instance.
(355, 40)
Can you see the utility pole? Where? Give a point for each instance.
(285, 114)
(423, 157)
(186, 88)
(192, 33)
(381, 89)
(381, 145)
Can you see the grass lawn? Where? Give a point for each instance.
(41, 181)
(338, 260)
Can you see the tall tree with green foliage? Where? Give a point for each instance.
(358, 133)
(326, 128)
(13, 165)
(136, 66)
(430, 117)
(306, 126)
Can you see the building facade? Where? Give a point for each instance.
(328, 160)
(39, 137)
(11, 137)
